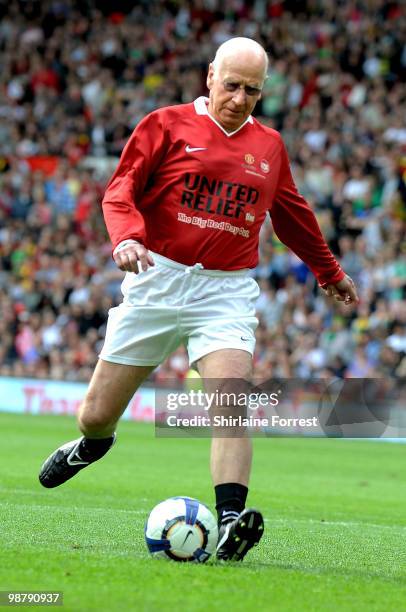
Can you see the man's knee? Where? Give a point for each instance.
(228, 411)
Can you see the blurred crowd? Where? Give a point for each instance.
(77, 77)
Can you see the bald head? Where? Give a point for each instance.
(235, 80)
(242, 50)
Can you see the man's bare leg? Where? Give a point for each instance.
(110, 390)
(231, 457)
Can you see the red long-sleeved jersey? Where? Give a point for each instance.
(192, 192)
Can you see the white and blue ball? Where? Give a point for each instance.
(181, 529)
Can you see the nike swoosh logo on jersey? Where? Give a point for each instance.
(190, 149)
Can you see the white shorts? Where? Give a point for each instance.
(172, 304)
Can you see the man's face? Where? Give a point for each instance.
(235, 88)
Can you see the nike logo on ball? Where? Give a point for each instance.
(189, 149)
(190, 532)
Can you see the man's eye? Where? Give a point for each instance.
(231, 86)
(252, 91)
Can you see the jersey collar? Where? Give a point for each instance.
(201, 109)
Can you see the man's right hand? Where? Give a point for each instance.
(132, 256)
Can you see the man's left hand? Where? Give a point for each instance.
(343, 291)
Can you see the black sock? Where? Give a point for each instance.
(230, 500)
(91, 449)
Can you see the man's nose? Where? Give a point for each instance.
(240, 96)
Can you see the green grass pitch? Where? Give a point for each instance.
(335, 515)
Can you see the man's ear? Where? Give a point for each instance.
(262, 88)
(210, 76)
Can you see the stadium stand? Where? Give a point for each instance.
(76, 78)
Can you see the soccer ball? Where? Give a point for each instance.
(182, 529)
